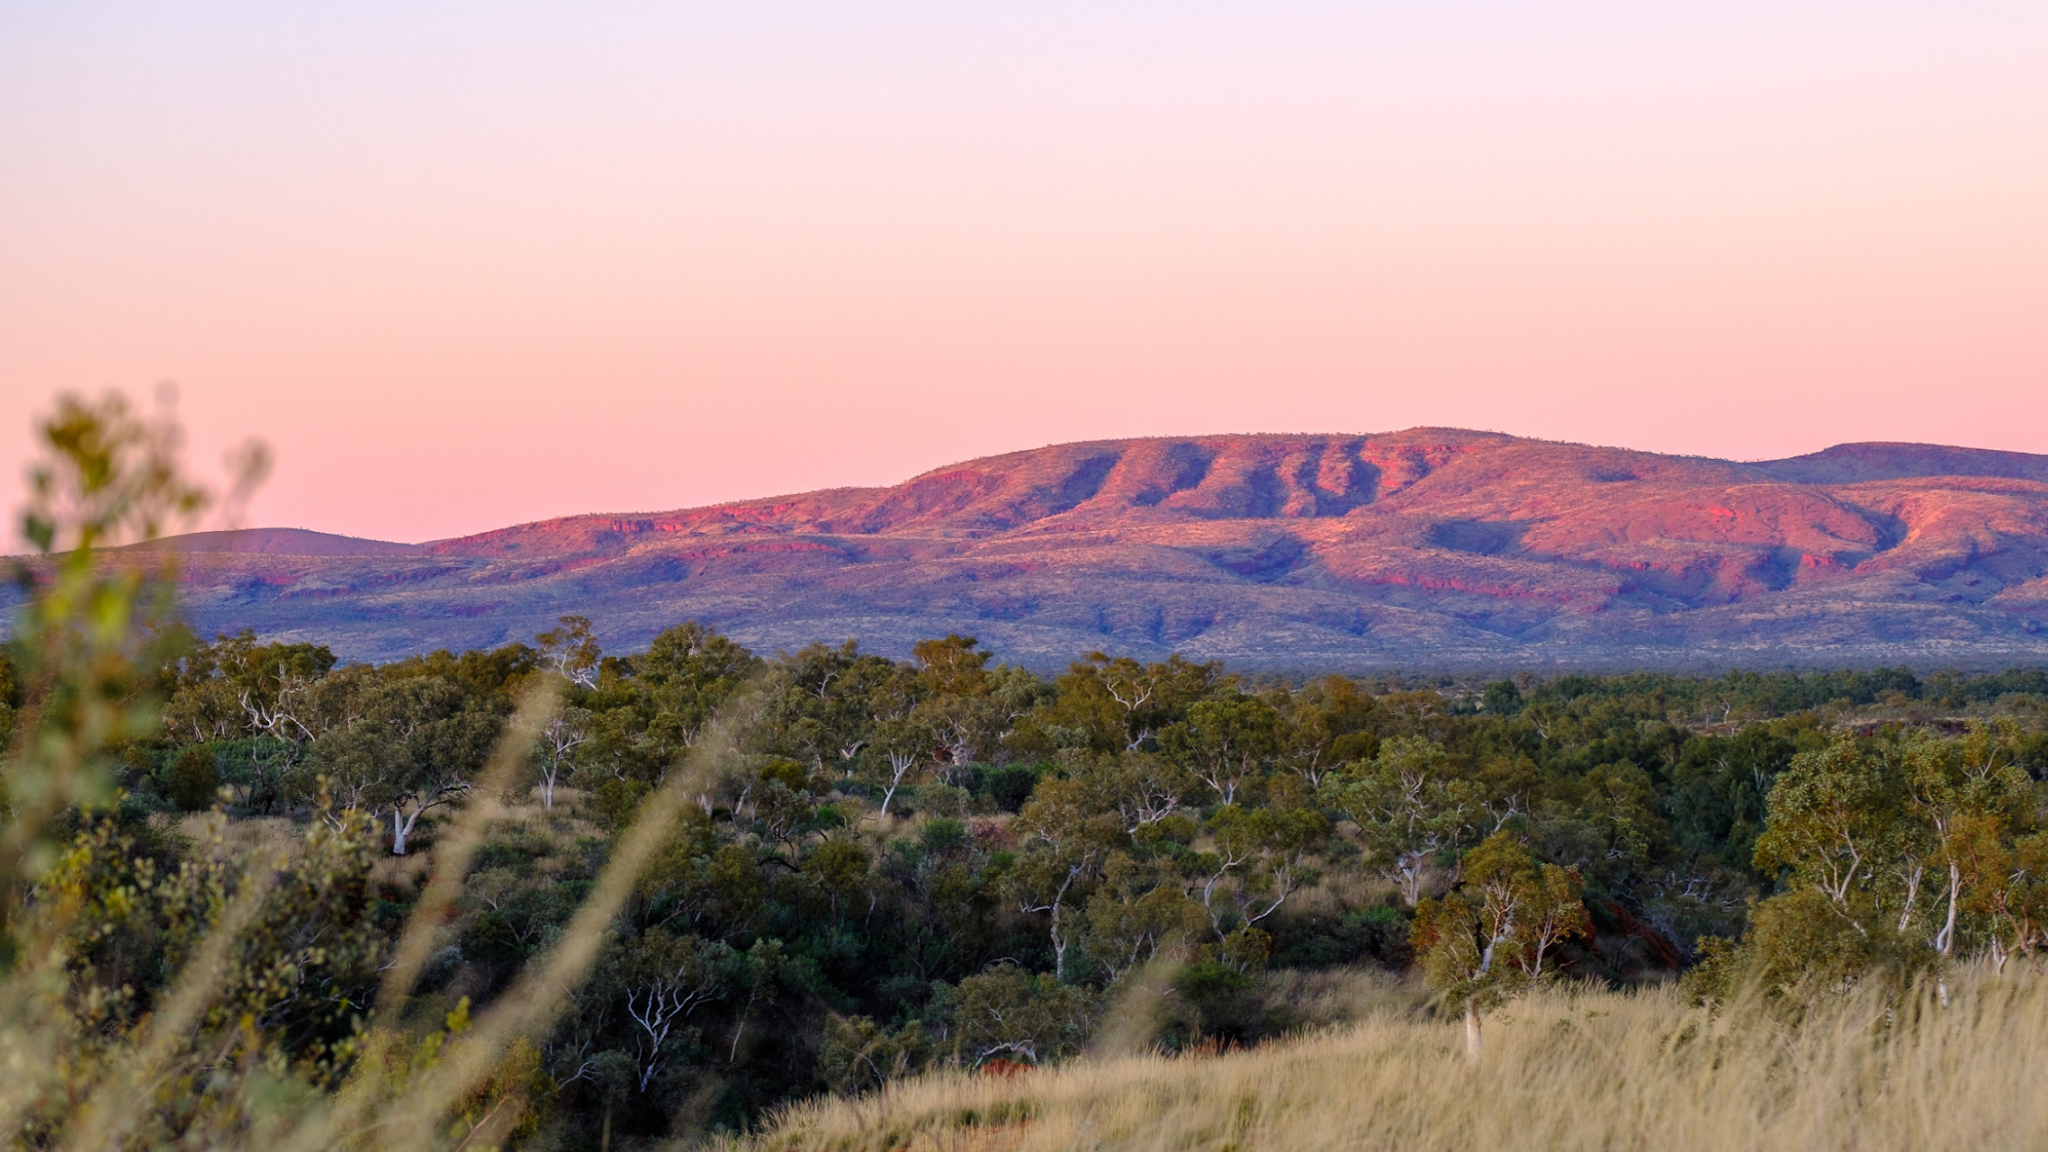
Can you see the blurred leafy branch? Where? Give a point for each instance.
(155, 991)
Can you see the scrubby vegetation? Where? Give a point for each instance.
(548, 896)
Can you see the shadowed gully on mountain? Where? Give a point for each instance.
(1430, 548)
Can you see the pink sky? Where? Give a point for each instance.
(467, 265)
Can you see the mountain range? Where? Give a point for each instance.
(1425, 549)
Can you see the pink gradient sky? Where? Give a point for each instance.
(470, 264)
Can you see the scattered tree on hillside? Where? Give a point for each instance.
(414, 744)
(1492, 934)
(566, 731)
(1410, 804)
(571, 650)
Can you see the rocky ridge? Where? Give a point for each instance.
(1429, 548)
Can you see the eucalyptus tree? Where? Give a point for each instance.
(414, 743)
(1494, 934)
(1411, 803)
(1225, 742)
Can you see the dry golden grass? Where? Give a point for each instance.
(1563, 1070)
(250, 837)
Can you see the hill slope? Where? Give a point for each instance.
(276, 541)
(1425, 548)
(1565, 1070)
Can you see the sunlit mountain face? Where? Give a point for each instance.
(1430, 548)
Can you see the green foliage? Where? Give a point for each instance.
(1894, 856)
(857, 1054)
(1500, 927)
(844, 868)
(615, 802)
(193, 779)
(1378, 935)
(1502, 698)
(1225, 1001)
(409, 744)
(1411, 803)
(1015, 1013)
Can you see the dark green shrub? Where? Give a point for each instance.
(944, 835)
(193, 782)
(1226, 1002)
(1010, 786)
(1377, 935)
(615, 801)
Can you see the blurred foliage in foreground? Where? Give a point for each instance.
(548, 897)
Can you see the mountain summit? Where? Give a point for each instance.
(1429, 548)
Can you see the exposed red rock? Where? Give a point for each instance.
(1430, 547)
